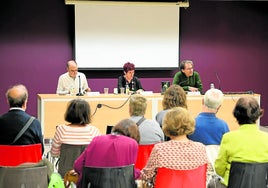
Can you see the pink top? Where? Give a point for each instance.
(108, 151)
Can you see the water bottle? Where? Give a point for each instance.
(212, 86)
(127, 89)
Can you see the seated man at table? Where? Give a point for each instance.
(72, 82)
(187, 78)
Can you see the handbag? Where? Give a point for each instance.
(146, 184)
(70, 177)
(213, 180)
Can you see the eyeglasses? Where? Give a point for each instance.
(73, 71)
(190, 68)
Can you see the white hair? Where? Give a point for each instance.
(213, 98)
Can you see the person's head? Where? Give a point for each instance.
(247, 110)
(72, 68)
(78, 112)
(137, 105)
(173, 97)
(178, 121)
(213, 99)
(128, 128)
(129, 70)
(187, 67)
(17, 96)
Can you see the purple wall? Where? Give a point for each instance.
(225, 38)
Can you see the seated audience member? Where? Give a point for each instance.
(187, 78)
(179, 153)
(208, 128)
(16, 118)
(247, 144)
(68, 82)
(128, 79)
(174, 96)
(120, 148)
(79, 131)
(150, 130)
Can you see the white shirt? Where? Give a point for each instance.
(67, 84)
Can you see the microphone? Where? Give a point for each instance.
(79, 93)
(218, 80)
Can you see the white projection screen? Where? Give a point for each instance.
(107, 36)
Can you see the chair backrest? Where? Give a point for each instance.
(248, 175)
(68, 154)
(143, 155)
(170, 178)
(24, 177)
(13, 155)
(108, 177)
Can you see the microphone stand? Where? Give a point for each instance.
(79, 93)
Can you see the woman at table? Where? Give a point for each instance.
(128, 80)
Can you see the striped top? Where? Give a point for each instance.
(74, 135)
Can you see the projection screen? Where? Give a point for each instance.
(108, 36)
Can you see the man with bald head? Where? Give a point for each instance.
(15, 119)
(68, 82)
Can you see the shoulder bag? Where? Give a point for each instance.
(26, 126)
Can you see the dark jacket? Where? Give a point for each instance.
(11, 124)
(134, 84)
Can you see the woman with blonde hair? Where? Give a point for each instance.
(179, 153)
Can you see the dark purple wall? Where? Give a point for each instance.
(225, 38)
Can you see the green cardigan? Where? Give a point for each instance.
(247, 144)
(185, 82)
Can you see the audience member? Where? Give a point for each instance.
(187, 78)
(120, 148)
(209, 129)
(129, 80)
(150, 130)
(174, 96)
(15, 119)
(68, 82)
(179, 153)
(247, 144)
(79, 131)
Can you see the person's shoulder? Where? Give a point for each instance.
(36, 120)
(152, 122)
(178, 73)
(196, 73)
(121, 77)
(63, 75)
(95, 129)
(161, 113)
(81, 74)
(197, 144)
(223, 122)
